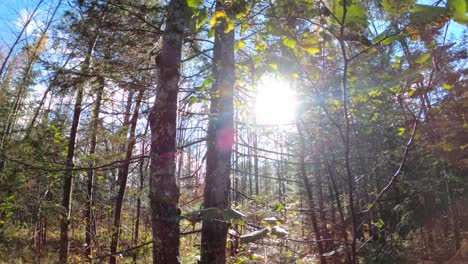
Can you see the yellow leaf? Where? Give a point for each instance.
(230, 25)
(217, 15)
(401, 131)
(242, 44)
(312, 50)
(447, 86)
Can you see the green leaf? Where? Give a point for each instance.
(194, 3)
(391, 39)
(310, 43)
(458, 10)
(312, 50)
(242, 44)
(192, 100)
(201, 18)
(423, 58)
(273, 66)
(254, 236)
(239, 45)
(425, 15)
(375, 93)
(380, 223)
(289, 42)
(279, 207)
(356, 15)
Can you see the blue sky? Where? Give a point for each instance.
(11, 12)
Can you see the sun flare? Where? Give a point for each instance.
(276, 103)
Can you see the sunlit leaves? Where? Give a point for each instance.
(279, 207)
(380, 224)
(413, 33)
(387, 39)
(239, 45)
(310, 43)
(288, 42)
(222, 17)
(458, 9)
(397, 6)
(335, 104)
(218, 15)
(356, 15)
(194, 3)
(423, 58)
(196, 18)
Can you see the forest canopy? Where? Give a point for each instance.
(233, 131)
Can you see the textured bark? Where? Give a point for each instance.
(68, 176)
(164, 192)
(122, 178)
(219, 145)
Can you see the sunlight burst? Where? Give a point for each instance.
(275, 102)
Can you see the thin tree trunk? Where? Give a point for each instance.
(164, 192)
(122, 179)
(140, 191)
(453, 222)
(321, 199)
(68, 177)
(310, 196)
(219, 144)
(90, 220)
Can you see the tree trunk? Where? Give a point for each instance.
(68, 177)
(310, 196)
(90, 220)
(164, 192)
(453, 222)
(122, 178)
(140, 191)
(219, 144)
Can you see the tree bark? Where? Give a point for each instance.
(68, 176)
(164, 192)
(219, 143)
(122, 178)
